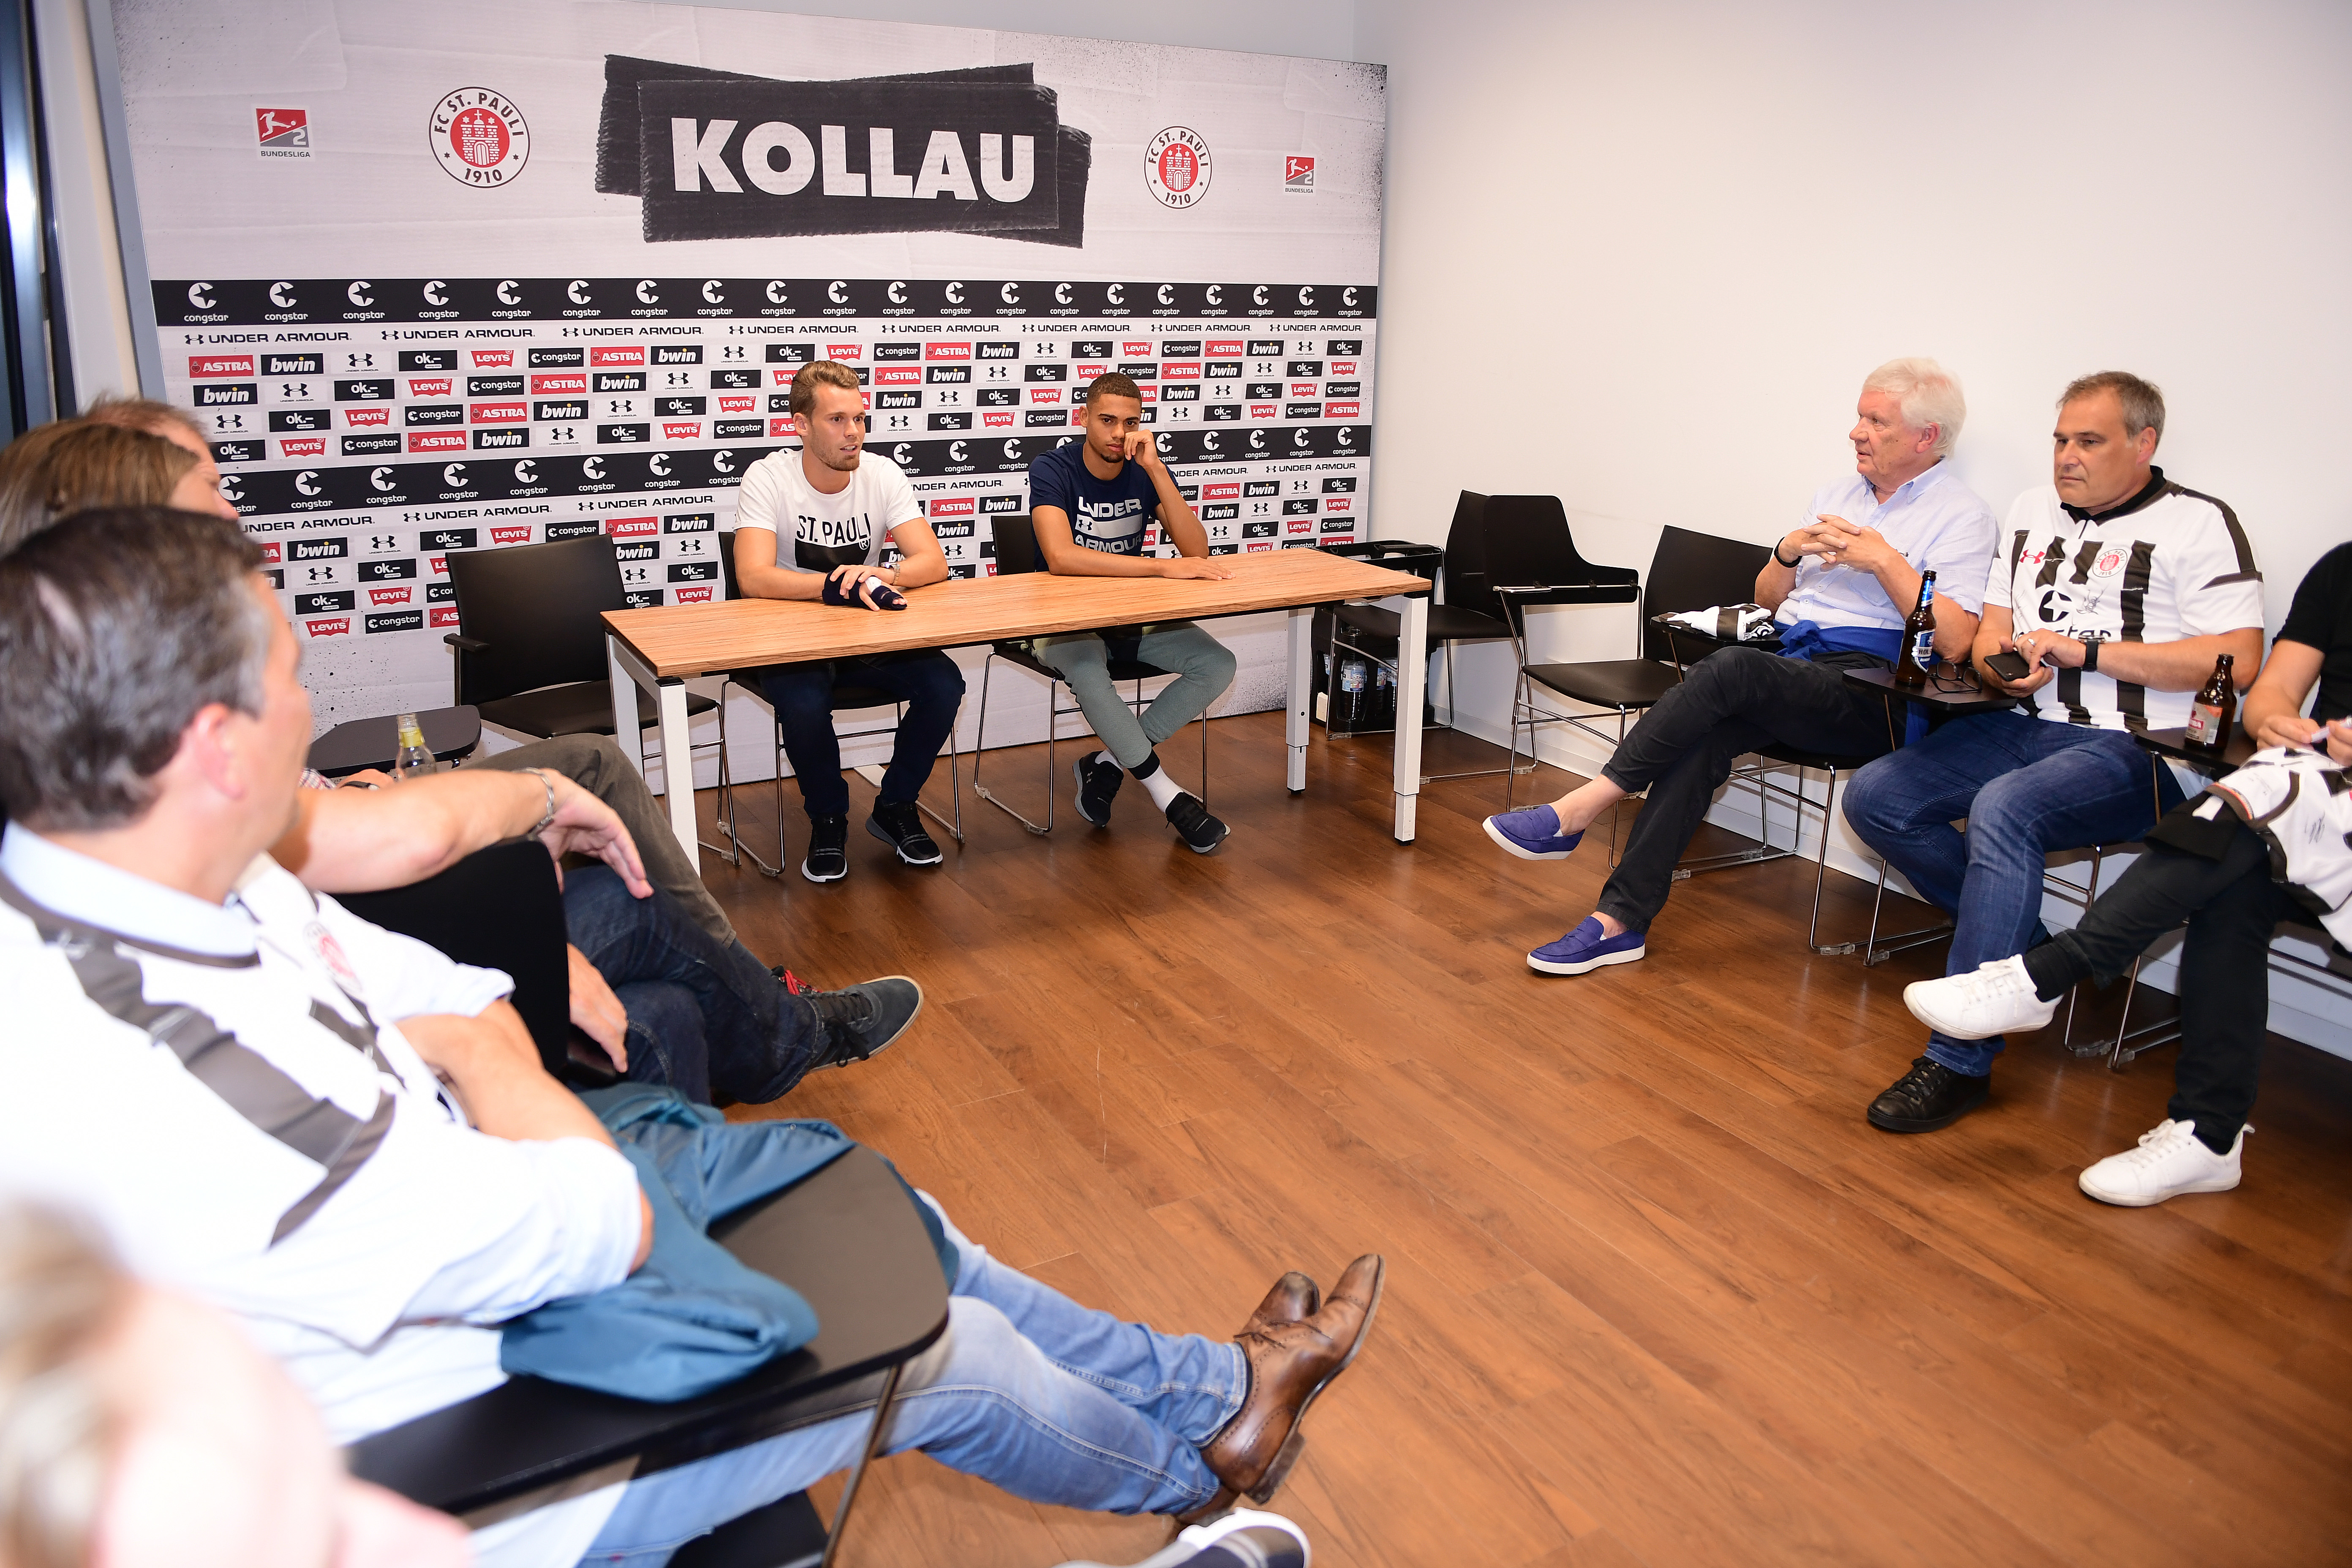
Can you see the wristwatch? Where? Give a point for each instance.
(2091, 655)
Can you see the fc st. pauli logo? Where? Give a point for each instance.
(479, 136)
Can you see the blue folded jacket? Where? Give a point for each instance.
(693, 1318)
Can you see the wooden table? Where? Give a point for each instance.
(659, 648)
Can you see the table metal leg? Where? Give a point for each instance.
(1302, 694)
(1413, 682)
(630, 672)
(626, 671)
(864, 1457)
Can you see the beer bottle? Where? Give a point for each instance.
(414, 756)
(1918, 636)
(2214, 709)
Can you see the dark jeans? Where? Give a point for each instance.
(2026, 786)
(926, 681)
(2231, 905)
(1731, 702)
(703, 1016)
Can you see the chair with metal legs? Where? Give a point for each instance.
(1016, 554)
(847, 697)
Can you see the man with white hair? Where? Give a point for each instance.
(1839, 586)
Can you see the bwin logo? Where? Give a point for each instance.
(506, 292)
(307, 481)
(577, 291)
(282, 296)
(200, 296)
(433, 295)
(358, 295)
(381, 478)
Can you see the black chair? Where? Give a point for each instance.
(530, 645)
(847, 1240)
(847, 696)
(1463, 608)
(1016, 554)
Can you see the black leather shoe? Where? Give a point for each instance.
(897, 824)
(828, 849)
(861, 1019)
(1929, 1096)
(1099, 776)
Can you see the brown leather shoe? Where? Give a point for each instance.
(1294, 1296)
(1290, 1363)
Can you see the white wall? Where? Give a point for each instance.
(1641, 256)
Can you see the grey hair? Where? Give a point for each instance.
(2143, 401)
(116, 628)
(1929, 395)
(61, 1295)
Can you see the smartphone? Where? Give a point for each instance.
(2008, 665)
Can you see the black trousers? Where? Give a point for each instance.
(2231, 905)
(1731, 702)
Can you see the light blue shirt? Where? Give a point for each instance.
(81, 888)
(1939, 523)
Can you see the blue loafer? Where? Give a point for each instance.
(1585, 949)
(1533, 833)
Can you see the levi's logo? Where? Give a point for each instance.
(303, 446)
(842, 350)
(332, 626)
(692, 595)
(681, 430)
(436, 386)
(361, 418)
(737, 404)
(493, 359)
(511, 536)
(382, 597)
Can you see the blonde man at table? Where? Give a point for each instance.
(817, 520)
(1090, 501)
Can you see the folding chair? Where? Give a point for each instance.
(847, 697)
(848, 1241)
(1016, 552)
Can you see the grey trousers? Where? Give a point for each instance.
(595, 763)
(1203, 669)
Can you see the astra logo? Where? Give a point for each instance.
(616, 356)
(631, 527)
(241, 365)
(437, 441)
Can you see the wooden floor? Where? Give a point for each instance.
(1656, 1292)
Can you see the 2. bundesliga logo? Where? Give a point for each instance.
(479, 136)
(283, 132)
(1176, 167)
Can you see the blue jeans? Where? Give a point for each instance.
(2026, 786)
(1204, 667)
(703, 1015)
(925, 680)
(1027, 1389)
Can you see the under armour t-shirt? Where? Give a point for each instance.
(816, 532)
(2167, 564)
(2321, 618)
(1108, 515)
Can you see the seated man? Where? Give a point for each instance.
(1841, 586)
(2119, 589)
(347, 1141)
(1089, 503)
(819, 518)
(2209, 867)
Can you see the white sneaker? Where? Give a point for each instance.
(1998, 998)
(2168, 1162)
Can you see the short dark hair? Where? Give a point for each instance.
(116, 628)
(144, 414)
(74, 465)
(815, 373)
(1113, 384)
(2143, 402)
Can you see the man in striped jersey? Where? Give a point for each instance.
(2119, 589)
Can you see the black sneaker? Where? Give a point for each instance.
(794, 983)
(900, 826)
(1929, 1096)
(1190, 817)
(1098, 777)
(828, 850)
(863, 1019)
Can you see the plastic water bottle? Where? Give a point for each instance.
(414, 756)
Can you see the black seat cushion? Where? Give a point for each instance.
(1625, 683)
(1446, 624)
(584, 707)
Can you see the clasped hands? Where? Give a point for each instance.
(1842, 544)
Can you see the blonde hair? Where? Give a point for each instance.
(815, 373)
(74, 465)
(61, 1295)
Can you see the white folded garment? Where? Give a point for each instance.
(1731, 623)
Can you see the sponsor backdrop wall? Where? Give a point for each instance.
(449, 276)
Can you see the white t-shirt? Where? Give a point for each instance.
(224, 1088)
(2163, 566)
(816, 532)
